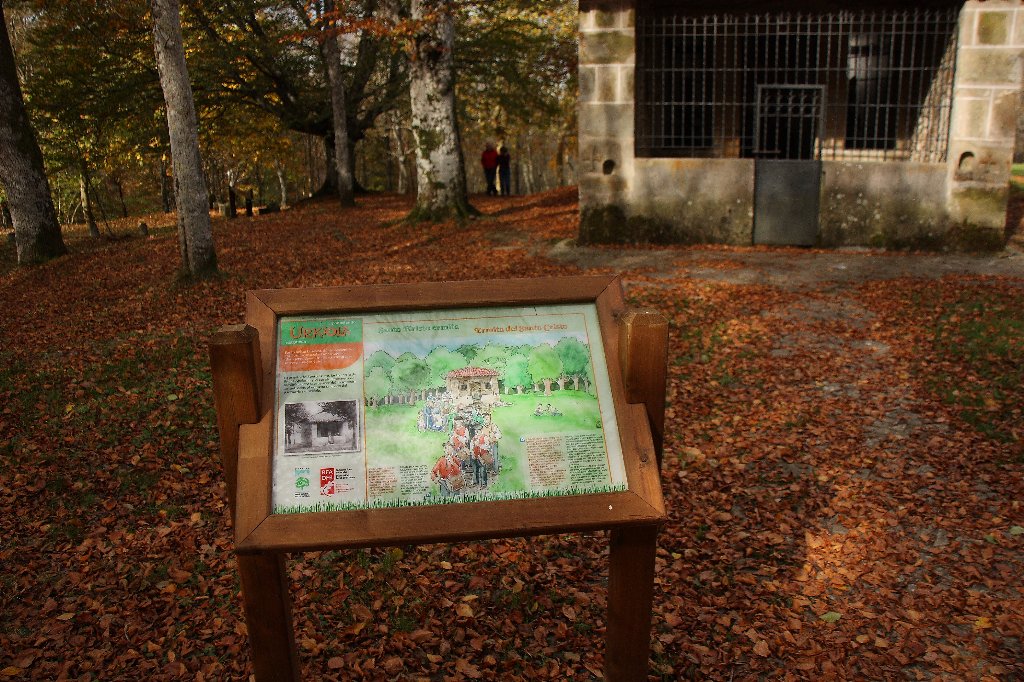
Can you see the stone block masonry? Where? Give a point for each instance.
(989, 71)
(959, 202)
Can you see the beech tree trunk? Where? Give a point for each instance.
(119, 186)
(195, 238)
(36, 230)
(165, 193)
(282, 184)
(332, 58)
(400, 154)
(83, 189)
(440, 171)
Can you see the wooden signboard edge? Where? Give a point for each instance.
(262, 531)
(633, 540)
(434, 295)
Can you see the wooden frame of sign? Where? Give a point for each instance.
(243, 365)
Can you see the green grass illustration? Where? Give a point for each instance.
(393, 440)
(437, 499)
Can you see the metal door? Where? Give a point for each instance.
(787, 170)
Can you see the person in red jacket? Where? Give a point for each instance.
(459, 437)
(489, 160)
(447, 473)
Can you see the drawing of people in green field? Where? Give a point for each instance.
(471, 406)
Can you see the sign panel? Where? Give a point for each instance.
(403, 409)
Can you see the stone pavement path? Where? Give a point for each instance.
(791, 268)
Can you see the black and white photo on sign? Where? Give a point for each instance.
(321, 426)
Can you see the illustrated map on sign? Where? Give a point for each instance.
(436, 407)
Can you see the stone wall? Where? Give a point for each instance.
(607, 59)
(892, 205)
(961, 203)
(986, 92)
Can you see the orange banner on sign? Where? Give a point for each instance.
(319, 357)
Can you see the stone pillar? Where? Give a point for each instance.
(985, 93)
(607, 63)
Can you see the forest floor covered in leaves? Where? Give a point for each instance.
(844, 466)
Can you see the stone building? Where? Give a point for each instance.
(474, 383)
(805, 122)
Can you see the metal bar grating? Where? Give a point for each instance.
(853, 85)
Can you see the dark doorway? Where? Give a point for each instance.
(787, 176)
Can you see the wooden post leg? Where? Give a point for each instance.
(237, 375)
(268, 617)
(237, 379)
(643, 347)
(630, 599)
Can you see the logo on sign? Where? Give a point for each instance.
(327, 486)
(301, 482)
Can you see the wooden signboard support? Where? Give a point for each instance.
(243, 365)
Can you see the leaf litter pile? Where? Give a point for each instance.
(843, 471)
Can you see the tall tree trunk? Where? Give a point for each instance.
(560, 154)
(22, 175)
(195, 238)
(440, 170)
(526, 153)
(83, 189)
(332, 58)
(400, 157)
(310, 180)
(282, 184)
(120, 197)
(165, 192)
(330, 184)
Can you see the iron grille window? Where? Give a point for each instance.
(858, 85)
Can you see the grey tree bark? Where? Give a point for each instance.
(282, 184)
(195, 238)
(342, 162)
(22, 174)
(400, 153)
(86, 195)
(440, 170)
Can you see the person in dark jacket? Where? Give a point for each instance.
(505, 171)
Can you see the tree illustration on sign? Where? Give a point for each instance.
(377, 386)
(410, 376)
(575, 362)
(442, 361)
(545, 366)
(493, 356)
(468, 351)
(516, 373)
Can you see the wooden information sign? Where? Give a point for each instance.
(441, 412)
